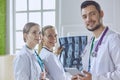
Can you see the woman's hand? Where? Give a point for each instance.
(58, 50)
(43, 76)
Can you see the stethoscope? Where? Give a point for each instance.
(40, 62)
(94, 53)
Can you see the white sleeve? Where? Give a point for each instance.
(22, 68)
(55, 68)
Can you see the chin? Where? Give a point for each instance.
(37, 41)
(53, 45)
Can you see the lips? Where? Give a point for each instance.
(90, 23)
(37, 40)
(52, 42)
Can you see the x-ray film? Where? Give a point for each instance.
(72, 49)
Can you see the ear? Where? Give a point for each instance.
(101, 14)
(25, 36)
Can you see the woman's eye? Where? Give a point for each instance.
(49, 35)
(34, 32)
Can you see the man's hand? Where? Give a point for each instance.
(86, 76)
(75, 77)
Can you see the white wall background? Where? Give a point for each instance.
(70, 16)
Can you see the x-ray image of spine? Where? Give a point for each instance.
(77, 48)
(77, 52)
(84, 42)
(70, 52)
(63, 42)
(73, 48)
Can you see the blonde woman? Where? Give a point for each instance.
(53, 66)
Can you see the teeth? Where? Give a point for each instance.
(90, 24)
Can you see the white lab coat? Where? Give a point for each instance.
(106, 66)
(26, 66)
(54, 67)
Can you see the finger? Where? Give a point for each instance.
(81, 77)
(84, 72)
(87, 73)
(58, 50)
(74, 77)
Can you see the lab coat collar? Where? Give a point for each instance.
(32, 51)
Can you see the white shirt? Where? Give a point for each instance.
(54, 67)
(26, 66)
(106, 66)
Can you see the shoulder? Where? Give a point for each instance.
(47, 55)
(44, 53)
(21, 57)
(113, 36)
(113, 39)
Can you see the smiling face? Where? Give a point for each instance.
(50, 38)
(92, 18)
(33, 36)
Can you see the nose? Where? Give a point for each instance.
(37, 35)
(88, 18)
(54, 38)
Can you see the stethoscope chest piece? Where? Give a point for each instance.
(94, 54)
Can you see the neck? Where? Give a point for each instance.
(30, 46)
(98, 32)
(50, 49)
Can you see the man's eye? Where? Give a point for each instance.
(93, 14)
(84, 17)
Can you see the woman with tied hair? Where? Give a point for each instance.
(27, 65)
(53, 66)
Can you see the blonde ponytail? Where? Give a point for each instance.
(40, 47)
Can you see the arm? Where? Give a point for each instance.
(113, 70)
(55, 68)
(22, 68)
(114, 53)
(58, 50)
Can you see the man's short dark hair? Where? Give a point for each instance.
(88, 3)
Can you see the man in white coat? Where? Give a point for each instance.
(101, 57)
